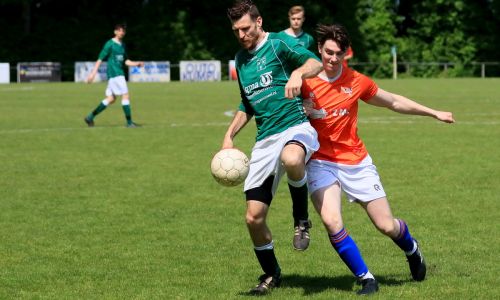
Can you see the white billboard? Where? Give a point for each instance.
(4, 73)
(152, 71)
(83, 69)
(200, 70)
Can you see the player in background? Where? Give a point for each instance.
(296, 16)
(348, 55)
(116, 56)
(342, 162)
(270, 72)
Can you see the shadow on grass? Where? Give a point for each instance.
(318, 284)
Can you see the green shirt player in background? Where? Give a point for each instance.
(114, 53)
(296, 16)
(270, 70)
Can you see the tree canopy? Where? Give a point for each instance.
(452, 31)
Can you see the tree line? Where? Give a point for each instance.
(457, 32)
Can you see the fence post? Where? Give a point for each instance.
(483, 70)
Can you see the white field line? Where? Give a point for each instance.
(219, 124)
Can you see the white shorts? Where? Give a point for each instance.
(360, 182)
(117, 86)
(265, 160)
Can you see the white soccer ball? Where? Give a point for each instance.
(229, 166)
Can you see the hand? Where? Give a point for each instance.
(90, 78)
(292, 87)
(445, 116)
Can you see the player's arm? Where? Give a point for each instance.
(239, 121)
(404, 105)
(309, 69)
(131, 63)
(92, 74)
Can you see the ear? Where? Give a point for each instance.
(259, 22)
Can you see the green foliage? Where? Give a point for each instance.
(376, 19)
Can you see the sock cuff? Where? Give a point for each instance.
(269, 246)
(299, 183)
(403, 228)
(339, 236)
(105, 102)
(125, 102)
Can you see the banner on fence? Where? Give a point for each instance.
(83, 69)
(200, 70)
(38, 72)
(4, 73)
(152, 71)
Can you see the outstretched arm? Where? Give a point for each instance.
(239, 121)
(309, 69)
(404, 105)
(131, 63)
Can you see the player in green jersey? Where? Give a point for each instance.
(296, 16)
(270, 70)
(114, 53)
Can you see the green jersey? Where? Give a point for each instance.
(115, 55)
(303, 39)
(262, 75)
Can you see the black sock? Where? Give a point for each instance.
(299, 203)
(268, 261)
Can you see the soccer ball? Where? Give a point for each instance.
(229, 167)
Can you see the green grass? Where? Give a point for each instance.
(117, 213)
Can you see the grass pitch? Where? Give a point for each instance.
(117, 213)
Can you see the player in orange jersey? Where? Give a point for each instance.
(342, 162)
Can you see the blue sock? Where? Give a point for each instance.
(404, 239)
(349, 252)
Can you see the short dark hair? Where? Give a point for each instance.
(121, 26)
(335, 32)
(241, 8)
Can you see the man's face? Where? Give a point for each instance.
(247, 31)
(331, 56)
(120, 33)
(296, 20)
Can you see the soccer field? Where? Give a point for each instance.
(133, 213)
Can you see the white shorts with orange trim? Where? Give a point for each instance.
(360, 182)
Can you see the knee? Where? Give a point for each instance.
(333, 225)
(387, 227)
(292, 161)
(253, 220)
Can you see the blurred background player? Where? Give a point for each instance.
(296, 16)
(116, 56)
(348, 55)
(342, 162)
(270, 73)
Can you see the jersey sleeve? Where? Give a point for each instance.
(106, 50)
(244, 104)
(368, 87)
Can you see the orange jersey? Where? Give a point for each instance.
(335, 115)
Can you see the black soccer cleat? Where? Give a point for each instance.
(301, 237)
(267, 283)
(90, 123)
(416, 261)
(368, 286)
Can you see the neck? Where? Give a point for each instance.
(335, 72)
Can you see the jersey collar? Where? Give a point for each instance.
(259, 45)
